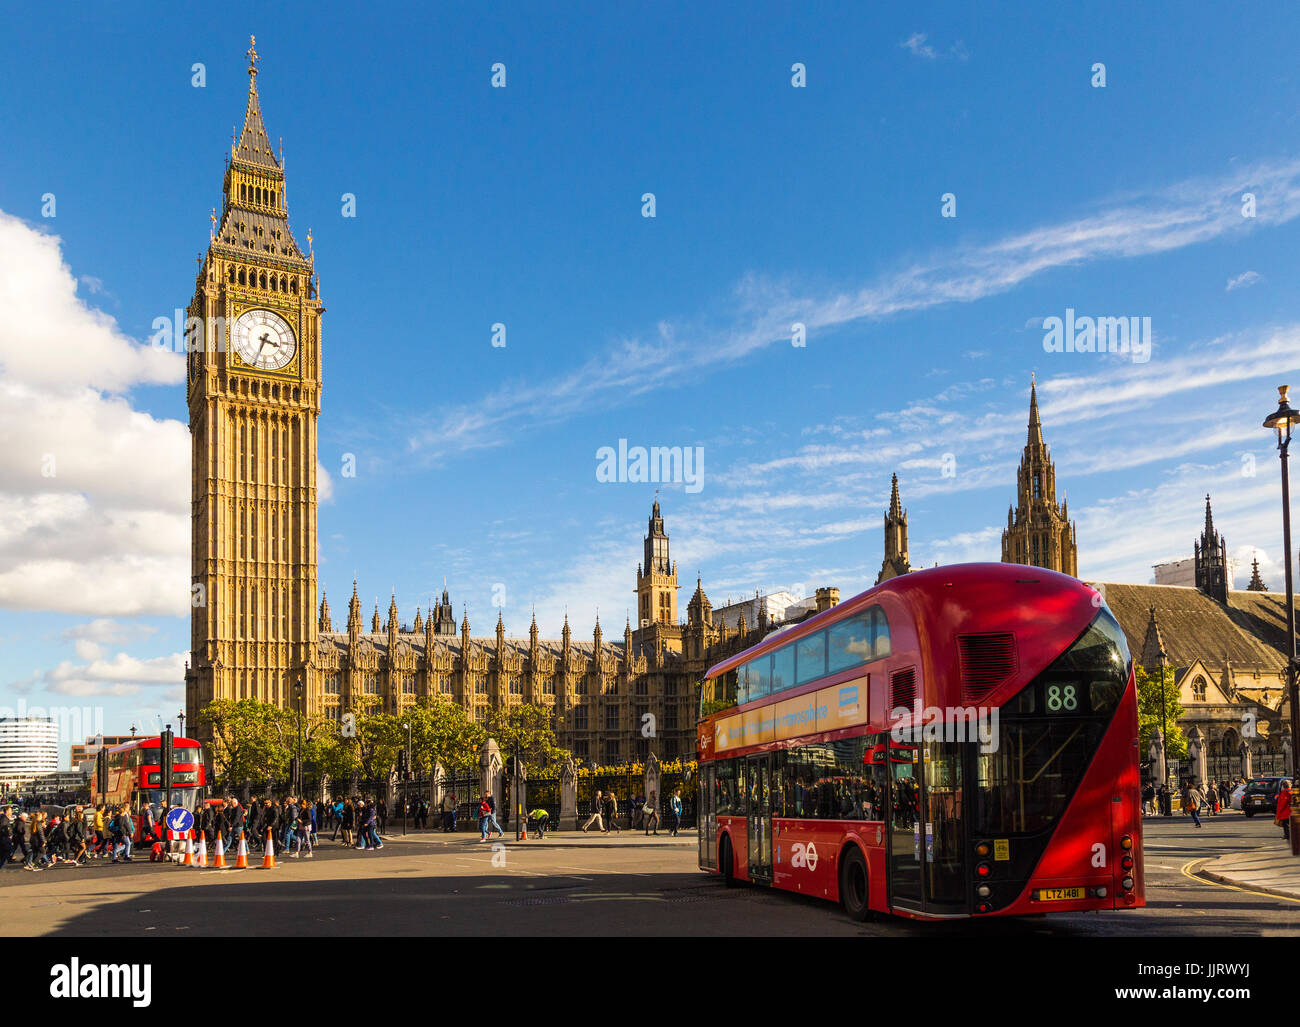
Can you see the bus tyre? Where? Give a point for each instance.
(726, 864)
(853, 885)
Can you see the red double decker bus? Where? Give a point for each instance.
(135, 777)
(954, 742)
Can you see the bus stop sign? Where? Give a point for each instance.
(179, 820)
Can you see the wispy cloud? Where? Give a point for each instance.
(1243, 281)
(916, 44)
(761, 310)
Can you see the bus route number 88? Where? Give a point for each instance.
(1062, 698)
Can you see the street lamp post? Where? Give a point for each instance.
(180, 716)
(406, 792)
(298, 694)
(1166, 808)
(1283, 420)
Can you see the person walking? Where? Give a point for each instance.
(101, 831)
(77, 837)
(611, 812)
(23, 841)
(595, 817)
(1193, 800)
(1283, 815)
(336, 815)
(489, 822)
(1212, 799)
(6, 836)
(347, 821)
(675, 808)
(651, 814)
(449, 812)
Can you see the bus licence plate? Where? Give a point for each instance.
(1061, 894)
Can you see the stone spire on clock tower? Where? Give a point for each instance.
(253, 387)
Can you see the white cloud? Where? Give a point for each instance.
(1243, 281)
(121, 675)
(94, 494)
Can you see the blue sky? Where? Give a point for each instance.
(523, 206)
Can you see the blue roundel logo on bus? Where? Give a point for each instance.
(179, 820)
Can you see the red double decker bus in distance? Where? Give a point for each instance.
(955, 742)
(135, 776)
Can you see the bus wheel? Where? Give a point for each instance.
(853, 885)
(725, 864)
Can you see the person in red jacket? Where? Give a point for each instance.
(1283, 815)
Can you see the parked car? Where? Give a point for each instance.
(1260, 796)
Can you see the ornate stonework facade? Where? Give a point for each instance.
(1039, 531)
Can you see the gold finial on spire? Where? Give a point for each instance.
(213, 218)
(312, 256)
(252, 56)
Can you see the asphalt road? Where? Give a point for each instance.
(579, 885)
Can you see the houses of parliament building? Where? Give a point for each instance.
(253, 387)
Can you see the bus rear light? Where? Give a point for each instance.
(1127, 883)
(983, 870)
(1126, 863)
(1100, 892)
(1126, 842)
(982, 849)
(983, 907)
(983, 891)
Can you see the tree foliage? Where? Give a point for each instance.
(1148, 689)
(526, 731)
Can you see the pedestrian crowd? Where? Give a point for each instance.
(643, 813)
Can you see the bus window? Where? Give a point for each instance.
(880, 632)
(850, 642)
(759, 675)
(810, 659)
(783, 668)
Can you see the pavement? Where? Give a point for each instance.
(1270, 869)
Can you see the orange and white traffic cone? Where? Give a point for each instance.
(241, 857)
(268, 860)
(219, 860)
(201, 859)
(523, 837)
(188, 861)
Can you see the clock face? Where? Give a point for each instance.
(264, 339)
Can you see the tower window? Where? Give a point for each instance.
(1038, 485)
(242, 280)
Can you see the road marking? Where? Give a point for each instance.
(1231, 887)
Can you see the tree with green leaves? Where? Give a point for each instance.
(1148, 689)
(442, 732)
(526, 731)
(252, 740)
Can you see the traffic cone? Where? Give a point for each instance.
(241, 857)
(201, 860)
(219, 860)
(268, 860)
(523, 837)
(188, 861)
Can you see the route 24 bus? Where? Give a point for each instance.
(955, 742)
(135, 777)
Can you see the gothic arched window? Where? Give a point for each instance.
(242, 280)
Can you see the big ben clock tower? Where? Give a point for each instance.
(253, 388)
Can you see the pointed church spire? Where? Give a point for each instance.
(895, 504)
(1035, 425)
(354, 611)
(1256, 583)
(374, 621)
(392, 614)
(532, 631)
(418, 626)
(1153, 644)
(324, 623)
(897, 559)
